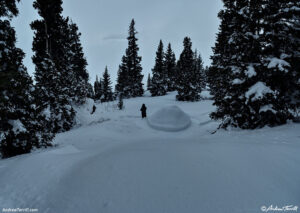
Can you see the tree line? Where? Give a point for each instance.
(187, 75)
(254, 76)
(33, 112)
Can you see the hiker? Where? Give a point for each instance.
(143, 110)
(94, 109)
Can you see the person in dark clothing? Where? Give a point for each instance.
(94, 109)
(144, 111)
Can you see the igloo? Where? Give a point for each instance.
(170, 118)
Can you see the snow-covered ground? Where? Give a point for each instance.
(113, 162)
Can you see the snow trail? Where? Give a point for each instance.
(124, 166)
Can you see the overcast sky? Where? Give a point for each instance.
(104, 26)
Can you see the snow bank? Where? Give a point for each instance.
(170, 118)
(84, 116)
(123, 166)
(83, 113)
(147, 93)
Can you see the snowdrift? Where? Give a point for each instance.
(170, 118)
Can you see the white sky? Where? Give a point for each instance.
(104, 26)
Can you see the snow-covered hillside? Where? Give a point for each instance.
(113, 162)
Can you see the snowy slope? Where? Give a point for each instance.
(113, 162)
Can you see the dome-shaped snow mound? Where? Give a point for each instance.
(170, 118)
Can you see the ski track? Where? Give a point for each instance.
(124, 166)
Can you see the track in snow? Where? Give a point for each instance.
(124, 166)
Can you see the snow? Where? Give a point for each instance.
(231, 40)
(147, 93)
(169, 118)
(84, 116)
(123, 165)
(237, 81)
(267, 108)
(295, 8)
(47, 112)
(258, 90)
(252, 35)
(276, 62)
(235, 69)
(17, 126)
(205, 95)
(251, 71)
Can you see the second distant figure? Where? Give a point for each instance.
(144, 111)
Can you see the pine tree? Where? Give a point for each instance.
(149, 80)
(170, 66)
(295, 62)
(187, 85)
(54, 75)
(281, 55)
(107, 94)
(159, 76)
(206, 74)
(245, 63)
(21, 126)
(199, 71)
(134, 63)
(78, 63)
(248, 92)
(91, 93)
(122, 85)
(120, 103)
(130, 76)
(98, 89)
(219, 74)
(238, 66)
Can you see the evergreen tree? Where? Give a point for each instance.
(8, 9)
(149, 82)
(237, 65)
(120, 103)
(199, 71)
(187, 84)
(206, 73)
(91, 93)
(295, 62)
(281, 54)
(219, 74)
(256, 80)
(77, 66)
(122, 85)
(170, 66)
(159, 76)
(21, 126)
(107, 94)
(98, 89)
(248, 93)
(53, 55)
(130, 76)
